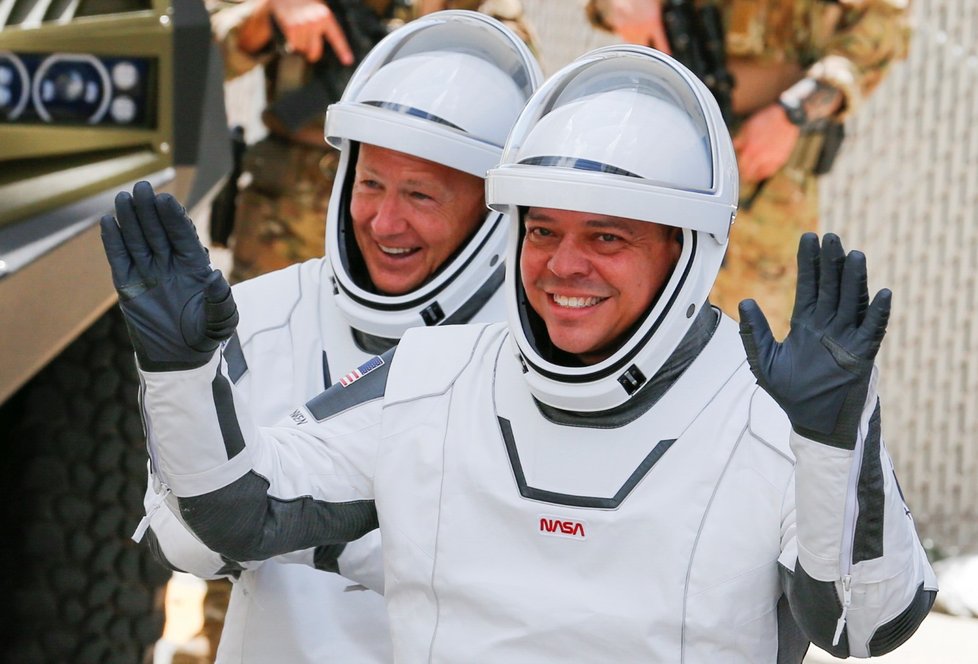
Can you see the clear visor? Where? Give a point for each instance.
(446, 88)
(628, 132)
(450, 31)
(618, 129)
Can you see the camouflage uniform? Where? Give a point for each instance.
(849, 45)
(281, 213)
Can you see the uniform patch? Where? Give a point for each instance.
(558, 527)
(372, 364)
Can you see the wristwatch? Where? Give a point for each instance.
(793, 101)
(795, 110)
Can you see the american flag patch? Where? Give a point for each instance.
(361, 371)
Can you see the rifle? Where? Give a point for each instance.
(224, 204)
(696, 38)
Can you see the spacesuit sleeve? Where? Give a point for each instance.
(360, 561)
(172, 544)
(871, 35)
(250, 493)
(853, 569)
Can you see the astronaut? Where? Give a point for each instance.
(615, 474)
(410, 242)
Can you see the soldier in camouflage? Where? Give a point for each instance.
(798, 67)
(288, 175)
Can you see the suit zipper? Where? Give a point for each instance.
(849, 533)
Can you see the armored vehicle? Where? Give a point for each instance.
(94, 96)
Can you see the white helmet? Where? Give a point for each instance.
(446, 88)
(624, 131)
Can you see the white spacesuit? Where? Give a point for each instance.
(654, 504)
(302, 325)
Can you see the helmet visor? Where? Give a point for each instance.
(635, 141)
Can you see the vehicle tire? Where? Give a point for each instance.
(76, 587)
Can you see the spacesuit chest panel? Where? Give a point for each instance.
(598, 467)
(512, 578)
(288, 323)
(342, 352)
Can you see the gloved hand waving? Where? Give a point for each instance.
(178, 309)
(820, 373)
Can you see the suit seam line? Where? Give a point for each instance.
(434, 558)
(284, 324)
(347, 410)
(699, 532)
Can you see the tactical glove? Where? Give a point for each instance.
(177, 308)
(820, 373)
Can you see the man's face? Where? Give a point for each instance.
(410, 215)
(590, 276)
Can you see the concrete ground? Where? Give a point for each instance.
(184, 617)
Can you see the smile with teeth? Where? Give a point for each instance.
(576, 302)
(396, 251)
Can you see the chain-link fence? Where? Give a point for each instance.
(905, 191)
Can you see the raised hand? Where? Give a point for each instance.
(178, 309)
(820, 373)
(764, 143)
(306, 23)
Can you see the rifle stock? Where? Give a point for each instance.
(696, 37)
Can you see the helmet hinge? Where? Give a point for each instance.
(432, 314)
(632, 379)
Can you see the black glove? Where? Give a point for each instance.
(177, 308)
(820, 373)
